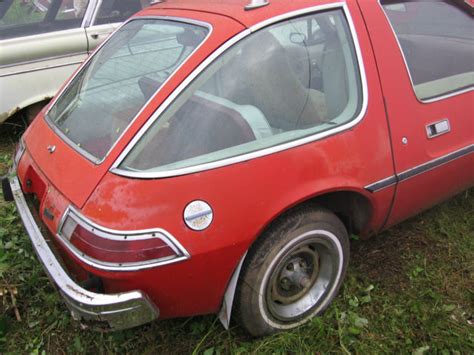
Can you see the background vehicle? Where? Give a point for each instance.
(224, 152)
(42, 42)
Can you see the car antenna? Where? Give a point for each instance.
(255, 4)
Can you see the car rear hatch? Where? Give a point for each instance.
(65, 162)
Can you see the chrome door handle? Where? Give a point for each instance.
(438, 128)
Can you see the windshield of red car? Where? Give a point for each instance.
(101, 101)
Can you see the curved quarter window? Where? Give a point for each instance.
(285, 82)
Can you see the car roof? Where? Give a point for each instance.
(235, 9)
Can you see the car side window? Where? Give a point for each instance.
(19, 18)
(437, 41)
(280, 84)
(112, 11)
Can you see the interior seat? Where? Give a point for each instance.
(334, 76)
(201, 126)
(262, 77)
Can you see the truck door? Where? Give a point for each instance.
(424, 52)
(109, 16)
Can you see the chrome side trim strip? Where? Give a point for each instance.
(41, 60)
(382, 184)
(107, 233)
(74, 146)
(419, 169)
(431, 99)
(407, 174)
(119, 311)
(41, 69)
(267, 151)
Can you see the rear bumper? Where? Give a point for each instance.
(109, 311)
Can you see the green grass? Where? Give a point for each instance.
(408, 290)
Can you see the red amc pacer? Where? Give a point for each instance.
(215, 156)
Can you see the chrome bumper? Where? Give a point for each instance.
(109, 311)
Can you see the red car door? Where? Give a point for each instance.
(424, 55)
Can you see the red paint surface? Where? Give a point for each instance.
(247, 196)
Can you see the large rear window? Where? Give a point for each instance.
(109, 91)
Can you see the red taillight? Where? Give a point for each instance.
(120, 249)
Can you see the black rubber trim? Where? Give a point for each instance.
(435, 163)
(379, 185)
(382, 184)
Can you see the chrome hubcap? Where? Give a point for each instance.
(302, 279)
(296, 276)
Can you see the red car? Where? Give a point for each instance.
(215, 157)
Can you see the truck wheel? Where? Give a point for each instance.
(293, 272)
(32, 111)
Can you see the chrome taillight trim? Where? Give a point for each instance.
(20, 150)
(116, 167)
(107, 233)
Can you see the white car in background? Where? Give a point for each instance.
(42, 42)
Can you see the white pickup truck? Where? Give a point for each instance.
(42, 42)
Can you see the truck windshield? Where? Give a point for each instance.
(109, 91)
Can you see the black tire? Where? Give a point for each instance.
(292, 272)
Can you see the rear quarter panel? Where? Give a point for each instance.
(246, 197)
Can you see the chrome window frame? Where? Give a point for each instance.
(115, 169)
(40, 61)
(111, 234)
(94, 13)
(428, 100)
(73, 145)
(91, 6)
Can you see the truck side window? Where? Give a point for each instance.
(112, 11)
(19, 18)
(437, 41)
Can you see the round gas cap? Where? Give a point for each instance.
(198, 215)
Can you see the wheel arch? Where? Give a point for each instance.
(351, 206)
(28, 107)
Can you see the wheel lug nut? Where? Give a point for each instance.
(285, 283)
